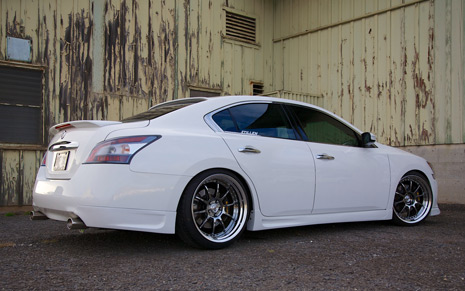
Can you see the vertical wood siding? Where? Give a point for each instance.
(152, 51)
(394, 68)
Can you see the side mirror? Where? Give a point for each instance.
(368, 139)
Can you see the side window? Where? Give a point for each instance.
(225, 121)
(256, 119)
(322, 128)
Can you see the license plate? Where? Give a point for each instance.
(61, 161)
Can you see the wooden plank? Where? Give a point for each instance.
(204, 43)
(12, 10)
(30, 19)
(441, 73)
(237, 70)
(396, 79)
(65, 25)
(313, 64)
(267, 56)
(381, 88)
(113, 105)
(248, 70)
(358, 78)
(31, 163)
(214, 38)
(2, 29)
(457, 53)
(227, 68)
(424, 73)
(345, 71)
(324, 12)
(335, 70)
(335, 11)
(358, 8)
(370, 75)
(194, 31)
(313, 15)
(411, 108)
(10, 178)
(324, 72)
(140, 50)
(292, 66)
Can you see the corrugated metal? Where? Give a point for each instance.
(386, 66)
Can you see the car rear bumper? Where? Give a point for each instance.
(112, 196)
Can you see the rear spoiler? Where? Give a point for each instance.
(80, 124)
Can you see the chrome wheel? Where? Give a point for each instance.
(413, 200)
(219, 208)
(213, 210)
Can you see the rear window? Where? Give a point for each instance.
(163, 109)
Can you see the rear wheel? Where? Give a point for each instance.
(413, 200)
(213, 210)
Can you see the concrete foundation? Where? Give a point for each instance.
(449, 167)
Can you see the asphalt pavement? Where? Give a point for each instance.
(44, 255)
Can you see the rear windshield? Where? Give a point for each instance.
(163, 109)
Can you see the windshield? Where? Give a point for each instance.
(163, 109)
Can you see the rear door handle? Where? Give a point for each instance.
(249, 149)
(324, 157)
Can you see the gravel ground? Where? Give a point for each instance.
(44, 255)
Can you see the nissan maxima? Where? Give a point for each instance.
(207, 169)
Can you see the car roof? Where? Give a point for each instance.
(211, 104)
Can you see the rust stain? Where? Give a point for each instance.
(425, 134)
(13, 27)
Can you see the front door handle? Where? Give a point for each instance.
(324, 157)
(249, 149)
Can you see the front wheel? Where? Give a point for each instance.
(213, 210)
(413, 200)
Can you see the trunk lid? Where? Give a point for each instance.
(73, 141)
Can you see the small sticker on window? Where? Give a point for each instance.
(249, 132)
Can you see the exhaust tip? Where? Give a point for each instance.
(37, 215)
(75, 223)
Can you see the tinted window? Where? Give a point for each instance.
(256, 119)
(162, 109)
(322, 128)
(225, 121)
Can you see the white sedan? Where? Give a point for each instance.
(209, 168)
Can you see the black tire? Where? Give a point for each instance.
(213, 210)
(413, 200)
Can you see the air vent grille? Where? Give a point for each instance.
(257, 88)
(240, 27)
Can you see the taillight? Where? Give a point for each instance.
(119, 150)
(44, 160)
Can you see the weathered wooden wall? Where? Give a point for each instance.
(110, 59)
(394, 68)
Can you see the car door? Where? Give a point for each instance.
(349, 177)
(266, 147)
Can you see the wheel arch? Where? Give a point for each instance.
(239, 175)
(418, 172)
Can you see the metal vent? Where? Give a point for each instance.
(257, 88)
(20, 105)
(240, 27)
